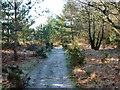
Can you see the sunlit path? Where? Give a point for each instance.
(51, 72)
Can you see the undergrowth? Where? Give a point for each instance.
(76, 55)
(15, 76)
(41, 52)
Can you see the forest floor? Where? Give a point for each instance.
(95, 73)
(27, 61)
(92, 74)
(49, 72)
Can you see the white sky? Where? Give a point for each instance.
(55, 7)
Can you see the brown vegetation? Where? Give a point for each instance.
(95, 73)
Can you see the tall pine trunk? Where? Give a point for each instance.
(8, 38)
(15, 29)
(72, 30)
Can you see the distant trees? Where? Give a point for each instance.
(61, 27)
(7, 22)
(71, 14)
(15, 18)
(48, 32)
(79, 20)
(91, 19)
(68, 22)
(110, 11)
(95, 27)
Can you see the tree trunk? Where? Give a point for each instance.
(95, 43)
(8, 40)
(100, 40)
(15, 29)
(101, 35)
(23, 37)
(93, 29)
(89, 29)
(72, 31)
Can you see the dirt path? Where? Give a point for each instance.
(51, 72)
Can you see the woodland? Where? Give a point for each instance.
(89, 33)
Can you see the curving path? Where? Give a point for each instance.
(51, 72)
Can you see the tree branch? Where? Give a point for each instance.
(117, 28)
(10, 3)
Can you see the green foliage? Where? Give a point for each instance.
(88, 72)
(76, 56)
(31, 47)
(106, 41)
(113, 37)
(4, 69)
(41, 52)
(16, 59)
(47, 43)
(65, 46)
(47, 33)
(105, 55)
(51, 45)
(65, 43)
(9, 45)
(14, 75)
(103, 60)
(24, 21)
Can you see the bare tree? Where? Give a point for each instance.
(95, 41)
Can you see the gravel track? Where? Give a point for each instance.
(51, 72)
